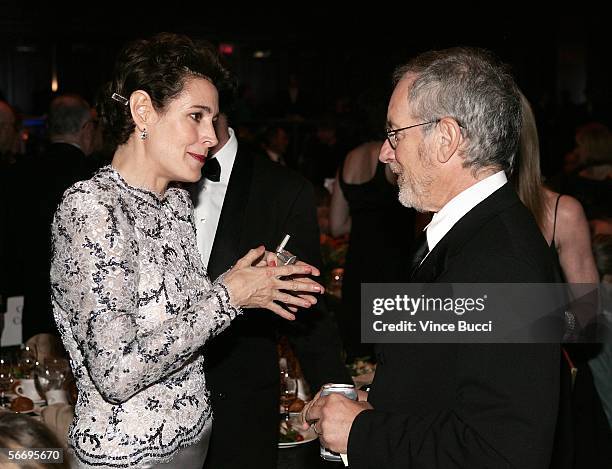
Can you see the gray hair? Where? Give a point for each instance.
(471, 86)
(68, 114)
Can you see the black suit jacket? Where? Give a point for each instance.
(38, 184)
(467, 405)
(263, 202)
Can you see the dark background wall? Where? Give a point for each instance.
(560, 60)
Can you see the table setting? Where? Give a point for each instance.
(293, 397)
(38, 385)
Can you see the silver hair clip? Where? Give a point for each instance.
(195, 74)
(119, 98)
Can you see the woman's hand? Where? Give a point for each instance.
(269, 258)
(261, 286)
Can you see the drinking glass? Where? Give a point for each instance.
(50, 375)
(28, 361)
(335, 282)
(288, 392)
(6, 381)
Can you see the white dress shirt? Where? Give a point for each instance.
(211, 197)
(460, 205)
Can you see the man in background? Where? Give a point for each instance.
(9, 135)
(245, 200)
(44, 178)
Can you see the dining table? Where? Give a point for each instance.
(305, 456)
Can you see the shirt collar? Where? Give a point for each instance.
(460, 205)
(226, 157)
(274, 156)
(76, 145)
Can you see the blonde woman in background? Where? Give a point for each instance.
(560, 217)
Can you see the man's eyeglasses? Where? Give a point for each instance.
(392, 133)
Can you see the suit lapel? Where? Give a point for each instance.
(226, 246)
(435, 263)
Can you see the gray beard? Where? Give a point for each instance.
(414, 192)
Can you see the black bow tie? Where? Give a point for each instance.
(212, 170)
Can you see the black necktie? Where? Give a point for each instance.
(421, 250)
(212, 170)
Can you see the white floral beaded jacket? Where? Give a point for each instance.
(134, 306)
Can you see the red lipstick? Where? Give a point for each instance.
(197, 156)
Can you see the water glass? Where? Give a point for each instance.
(28, 361)
(288, 392)
(51, 375)
(6, 380)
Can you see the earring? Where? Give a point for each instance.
(143, 134)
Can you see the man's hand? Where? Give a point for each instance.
(332, 417)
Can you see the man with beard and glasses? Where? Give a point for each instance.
(454, 121)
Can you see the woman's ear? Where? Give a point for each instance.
(142, 110)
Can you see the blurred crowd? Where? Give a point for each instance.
(337, 150)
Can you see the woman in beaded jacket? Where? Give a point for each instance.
(131, 296)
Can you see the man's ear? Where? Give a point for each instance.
(142, 109)
(87, 137)
(449, 135)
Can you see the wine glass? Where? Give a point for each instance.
(335, 283)
(6, 380)
(288, 392)
(28, 361)
(50, 375)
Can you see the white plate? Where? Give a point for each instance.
(308, 435)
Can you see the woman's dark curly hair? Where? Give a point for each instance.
(160, 66)
(20, 432)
